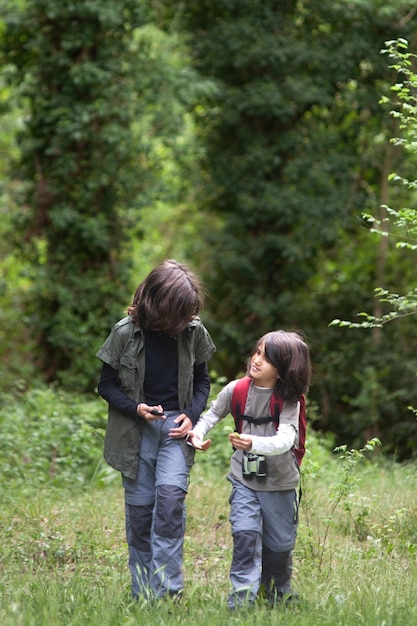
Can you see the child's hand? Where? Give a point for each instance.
(194, 440)
(150, 413)
(241, 442)
(184, 424)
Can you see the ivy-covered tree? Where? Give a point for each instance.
(296, 82)
(77, 78)
(297, 147)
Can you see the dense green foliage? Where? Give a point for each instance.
(297, 148)
(286, 164)
(71, 62)
(245, 138)
(399, 224)
(51, 437)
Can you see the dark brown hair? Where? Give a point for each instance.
(290, 355)
(167, 300)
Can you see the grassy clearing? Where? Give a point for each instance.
(63, 558)
(63, 554)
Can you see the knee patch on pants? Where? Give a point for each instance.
(244, 546)
(140, 518)
(276, 568)
(169, 518)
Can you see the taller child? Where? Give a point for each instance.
(156, 382)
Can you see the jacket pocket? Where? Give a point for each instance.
(127, 371)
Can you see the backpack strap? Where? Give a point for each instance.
(239, 397)
(275, 406)
(302, 427)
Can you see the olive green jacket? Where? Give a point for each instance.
(124, 351)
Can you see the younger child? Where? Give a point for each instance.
(156, 382)
(264, 509)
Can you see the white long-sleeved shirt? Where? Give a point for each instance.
(266, 439)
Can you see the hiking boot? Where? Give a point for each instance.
(243, 599)
(275, 597)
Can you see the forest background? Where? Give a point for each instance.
(247, 139)
(271, 146)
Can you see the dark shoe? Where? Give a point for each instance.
(243, 599)
(174, 596)
(275, 597)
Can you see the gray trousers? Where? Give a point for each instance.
(264, 528)
(155, 513)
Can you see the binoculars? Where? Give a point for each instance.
(253, 465)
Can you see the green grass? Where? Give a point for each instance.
(64, 560)
(63, 556)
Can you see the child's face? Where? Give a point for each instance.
(264, 374)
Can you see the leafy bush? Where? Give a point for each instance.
(50, 436)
